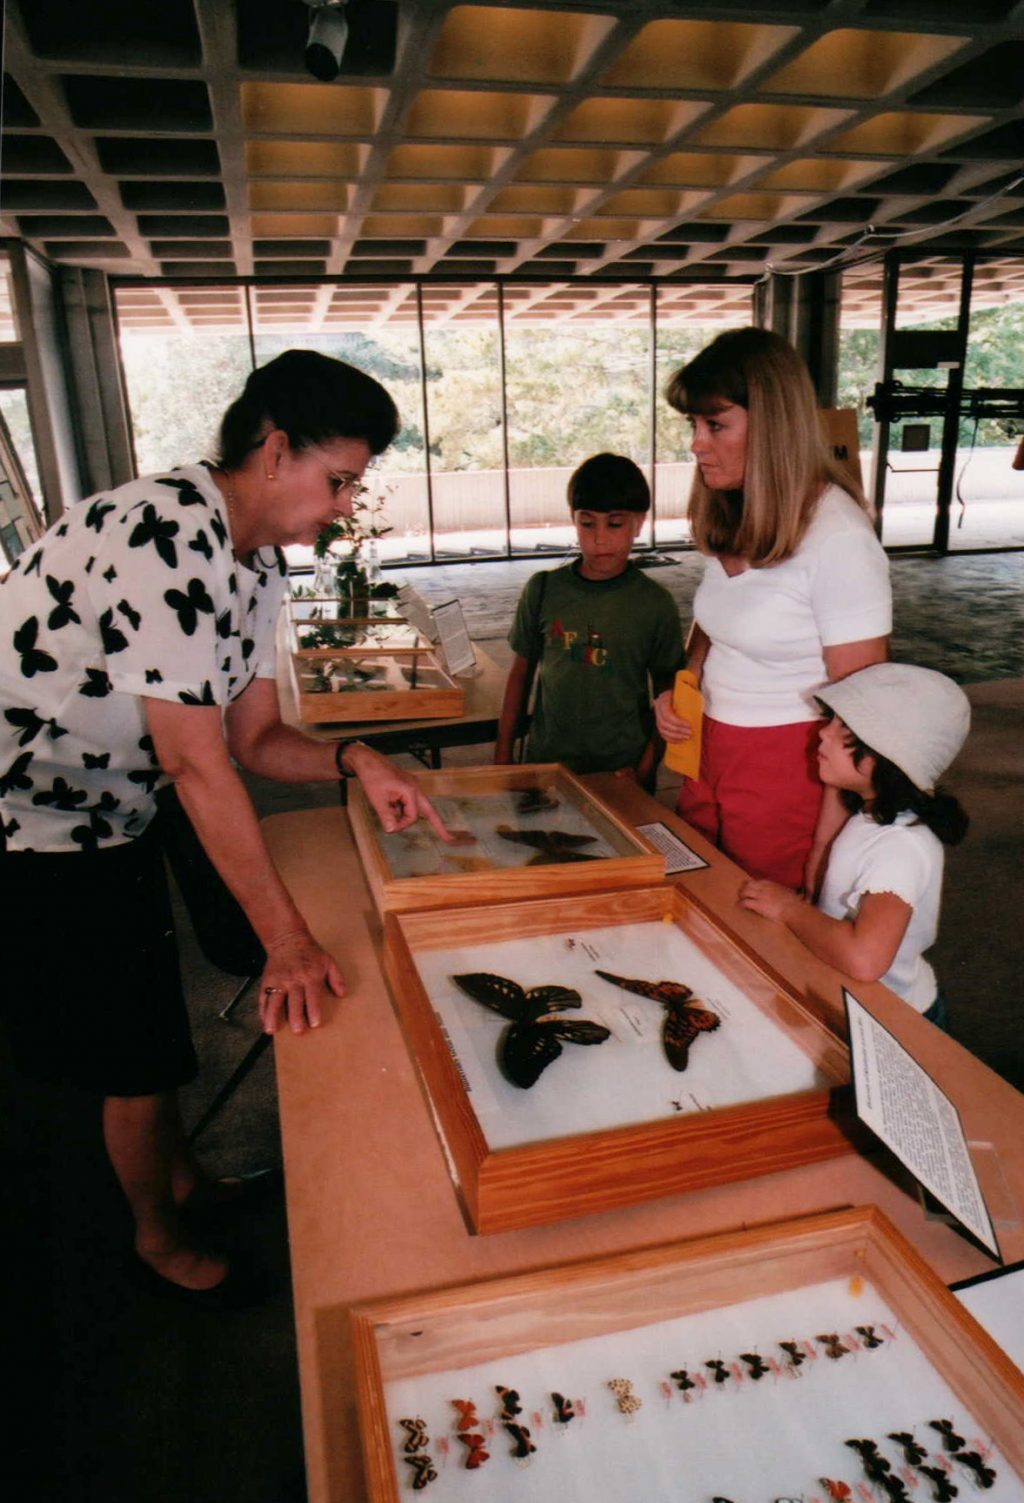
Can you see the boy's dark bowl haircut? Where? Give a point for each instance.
(608, 482)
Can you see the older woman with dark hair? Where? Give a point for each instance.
(137, 649)
(795, 593)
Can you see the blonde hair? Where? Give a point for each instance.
(788, 463)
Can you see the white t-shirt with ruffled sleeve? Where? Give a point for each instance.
(904, 858)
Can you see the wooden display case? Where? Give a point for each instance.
(355, 669)
(587, 848)
(644, 1314)
(606, 1127)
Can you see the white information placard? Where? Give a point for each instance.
(996, 1300)
(900, 1102)
(453, 637)
(678, 856)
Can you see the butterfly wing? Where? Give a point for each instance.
(666, 992)
(496, 992)
(541, 1000)
(578, 1031)
(525, 1052)
(680, 1028)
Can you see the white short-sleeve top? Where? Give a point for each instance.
(768, 628)
(135, 592)
(904, 858)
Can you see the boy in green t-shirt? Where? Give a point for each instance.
(604, 637)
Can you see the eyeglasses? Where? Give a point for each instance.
(347, 482)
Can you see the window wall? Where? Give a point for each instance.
(503, 390)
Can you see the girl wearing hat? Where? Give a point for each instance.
(892, 731)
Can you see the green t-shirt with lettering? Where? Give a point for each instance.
(601, 645)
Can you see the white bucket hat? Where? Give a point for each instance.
(915, 717)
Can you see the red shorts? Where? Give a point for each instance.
(758, 795)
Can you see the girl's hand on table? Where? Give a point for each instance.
(394, 794)
(298, 978)
(769, 899)
(670, 727)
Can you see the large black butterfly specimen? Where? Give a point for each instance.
(535, 1039)
(684, 1019)
(551, 847)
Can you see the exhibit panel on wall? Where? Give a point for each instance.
(598, 1050)
(819, 1359)
(524, 831)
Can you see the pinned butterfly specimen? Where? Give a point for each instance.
(984, 1475)
(564, 1411)
(912, 1452)
(416, 1434)
(477, 1453)
(523, 1446)
(535, 800)
(793, 1352)
(758, 1367)
(552, 847)
(875, 1465)
(719, 1369)
(867, 1335)
(683, 1020)
(625, 1398)
(943, 1487)
(895, 1489)
(951, 1441)
(535, 1039)
(838, 1491)
(424, 1470)
(834, 1348)
(682, 1379)
(510, 1404)
(466, 1410)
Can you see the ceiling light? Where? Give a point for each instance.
(328, 33)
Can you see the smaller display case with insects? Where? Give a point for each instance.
(358, 669)
(819, 1360)
(592, 1051)
(525, 831)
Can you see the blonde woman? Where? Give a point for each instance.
(795, 594)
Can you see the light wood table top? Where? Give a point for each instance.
(371, 1207)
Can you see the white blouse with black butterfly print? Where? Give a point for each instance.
(135, 592)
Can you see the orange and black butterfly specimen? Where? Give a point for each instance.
(510, 1405)
(943, 1487)
(523, 1445)
(834, 1348)
(682, 1378)
(424, 1469)
(950, 1439)
(867, 1335)
(478, 1452)
(838, 1491)
(912, 1452)
(793, 1352)
(467, 1419)
(535, 1039)
(416, 1434)
(719, 1369)
(683, 1019)
(552, 847)
(984, 1475)
(564, 1411)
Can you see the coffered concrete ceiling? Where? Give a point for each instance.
(573, 143)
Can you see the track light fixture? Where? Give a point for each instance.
(328, 33)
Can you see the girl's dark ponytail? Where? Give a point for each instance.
(896, 794)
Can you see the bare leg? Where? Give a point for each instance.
(146, 1145)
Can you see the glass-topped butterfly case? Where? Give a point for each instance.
(354, 669)
(593, 1051)
(520, 831)
(819, 1360)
